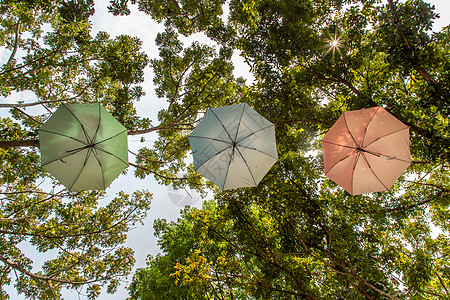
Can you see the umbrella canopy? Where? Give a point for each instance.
(366, 150)
(233, 146)
(83, 146)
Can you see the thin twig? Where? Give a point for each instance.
(31, 117)
(161, 175)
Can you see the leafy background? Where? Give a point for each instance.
(161, 205)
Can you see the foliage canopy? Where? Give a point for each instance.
(297, 235)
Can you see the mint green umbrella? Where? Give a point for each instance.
(83, 146)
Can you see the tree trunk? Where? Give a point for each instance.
(21, 143)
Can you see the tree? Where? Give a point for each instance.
(298, 235)
(61, 65)
(54, 58)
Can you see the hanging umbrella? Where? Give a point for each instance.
(233, 146)
(366, 150)
(83, 146)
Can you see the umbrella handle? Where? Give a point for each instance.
(231, 155)
(377, 154)
(60, 157)
(388, 157)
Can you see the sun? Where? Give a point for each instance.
(334, 43)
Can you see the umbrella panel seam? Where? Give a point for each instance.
(212, 157)
(210, 138)
(239, 124)
(94, 138)
(248, 167)
(242, 146)
(101, 167)
(388, 134)
(111, 137)
(342, 159)
(70, 154)
(81, 124)
(226, 174)
(373, 172)
(364, 150)
(368, 123)
(223, 126)
(358, 154)
(261, 129)
(348, 129)
(61, 134)
(107, 152)
(81, 169)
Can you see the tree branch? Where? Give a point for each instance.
(72, 234)
(31, 117)
(35, 143)
(16, 44)
(442, 283)
(162, 127)
(422, 72)
(161, 175)
(29, 63)
(21, 269)
(16, 105)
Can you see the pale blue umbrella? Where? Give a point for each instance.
(233, 146)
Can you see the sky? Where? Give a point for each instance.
(166, 202)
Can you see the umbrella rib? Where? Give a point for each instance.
(242, 146)
(210, 138)
(111, 137)
(368, 123)
(248, 167)
(345, 157)
(346, 125)
(224, 128)
(388, 134)
(98, 124)
(101, 167)
(345, 146)
(72, 152)
(81, 169)
(112, 154)
(256, 131)
(61, 134)
(239, 124)
(81, 124)
(212, 157)
(226, 174)
(358, 154)
(370, 167)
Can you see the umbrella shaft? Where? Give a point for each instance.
(376, 154)
(81, 148)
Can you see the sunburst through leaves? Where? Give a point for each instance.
(334, 43)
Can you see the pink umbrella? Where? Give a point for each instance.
(366, 150)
